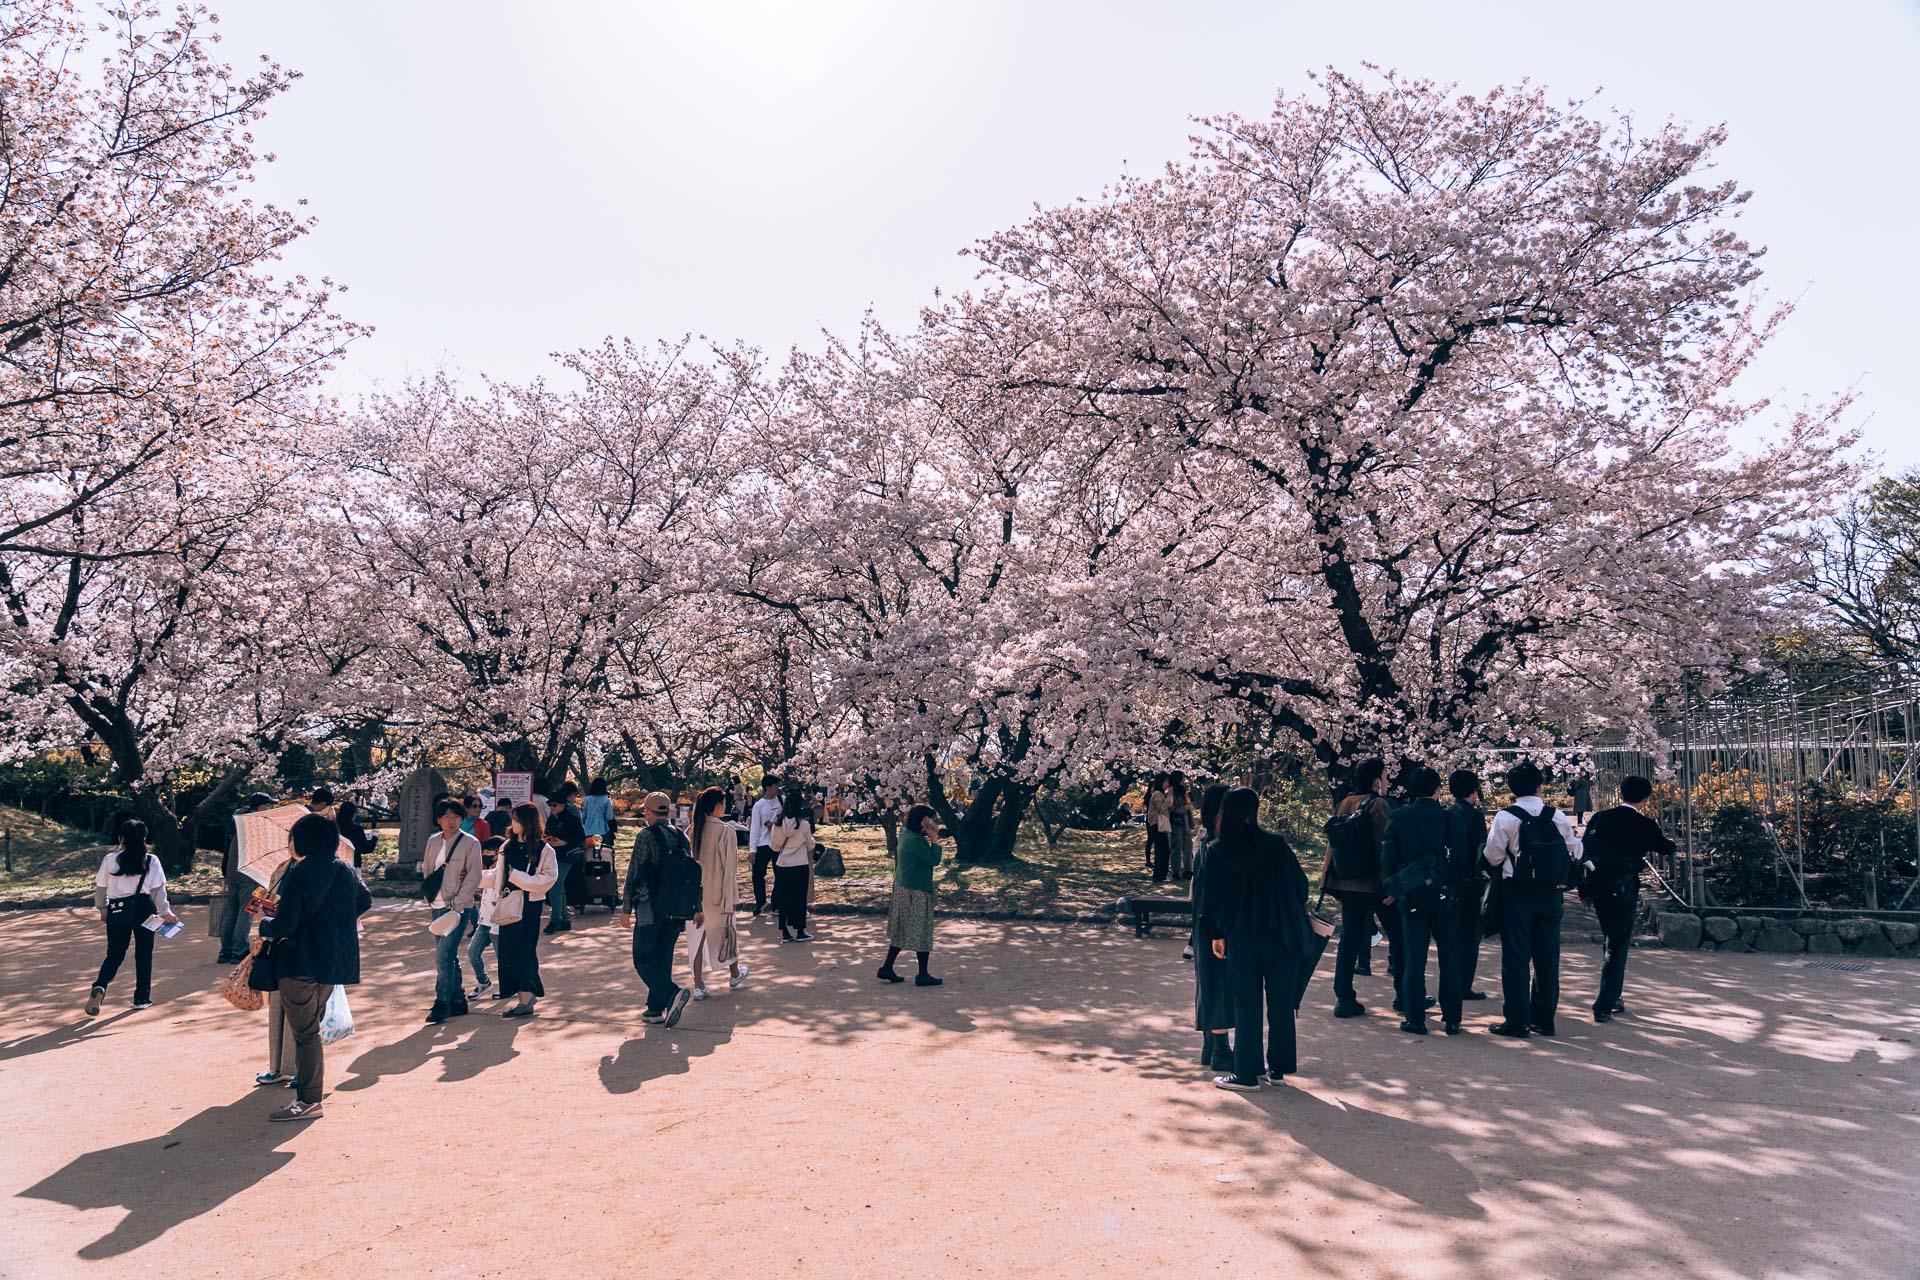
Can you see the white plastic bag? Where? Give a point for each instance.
(336, 1024)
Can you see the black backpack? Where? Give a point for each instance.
(1543, 860)
(676, 893)
(1350, 844)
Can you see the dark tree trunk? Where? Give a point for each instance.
(989, 827)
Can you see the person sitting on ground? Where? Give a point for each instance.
(910, 915)
(1255, 919)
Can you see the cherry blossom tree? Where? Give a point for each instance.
(1445, 386)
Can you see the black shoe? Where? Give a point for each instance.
(1474, 995)
(927, 980)
(1363, 973)
(675, 1007)
(1602, 1015)
(1509, 1030)
(886, 974)
(437, 1014)
(558, 926)
(1413, 1028)
(1453, 1028)
(497, 994)
(1349, 1009)
(458, 1009)
(1618, 1008)
(1539, 1030)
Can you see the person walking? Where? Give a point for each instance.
(1357, 885)
(231, 922)
(910, 915)
(1617, 840)
(129, 889)
(596, 818)
(347, 816)
(1467, 871)
(1160, 827)
(568, 836)
(451, 862)
(317, 947)
(483, 917)
(717, 935)
(1212, 982)
(1532, 848)
(1413, 859)
(662, 867)
(1180, 820)
(766, 812)
(1255, 919)
(527, 871)
(792, 844)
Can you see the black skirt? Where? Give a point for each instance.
(518, 948)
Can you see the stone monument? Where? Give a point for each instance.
(416, 815)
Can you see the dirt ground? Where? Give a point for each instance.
(1040, 1115)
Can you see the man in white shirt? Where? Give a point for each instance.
(1532, 849)
(766, 812)
(454, 855)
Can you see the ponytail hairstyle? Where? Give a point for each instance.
(133, 849)
(708, 802)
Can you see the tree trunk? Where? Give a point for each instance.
(990, 827)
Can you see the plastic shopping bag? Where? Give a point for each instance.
(336, 1024)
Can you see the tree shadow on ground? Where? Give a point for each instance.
(162, 1182)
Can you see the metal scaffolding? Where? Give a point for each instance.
(1792, 788)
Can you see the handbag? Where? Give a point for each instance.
(237, 989)
(263, 967)
(137, 905)
(510, 908)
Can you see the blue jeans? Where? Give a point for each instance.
(446, 958)
(477, 951)
(557, 896)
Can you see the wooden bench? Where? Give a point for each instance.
(1144, 909)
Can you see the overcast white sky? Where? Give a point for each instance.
(496, 181)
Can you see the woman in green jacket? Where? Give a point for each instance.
(910, 920)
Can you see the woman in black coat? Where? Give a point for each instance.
(1212, 984)
(1255, 919)
(315, 933)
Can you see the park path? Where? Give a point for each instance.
(1040, 1115)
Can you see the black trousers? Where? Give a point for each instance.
(1468, 903)
(1265, 975)
(123, 928)
(1162, 845)
(1357, 911)
(1530, 955)
(518, 947)
(1616, 907)
(762, 859)
(790, 897)
(1441, 926)
(653, 947)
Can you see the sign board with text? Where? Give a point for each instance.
(513, 788)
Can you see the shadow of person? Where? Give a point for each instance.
(59, 1037)
(1397, 1156)
(658, 1052)
(162, 1182)
(490, 1045)
(396, 1059)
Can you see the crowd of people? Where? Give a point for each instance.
(1435, 875)
(489, 873)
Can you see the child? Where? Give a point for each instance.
(483, 935)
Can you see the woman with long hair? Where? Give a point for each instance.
(1180, 815)
(129, 889)
(1212, 983)
(910, 915)
(1160, 827)
(1255, 919)
(717, 936)
(791, 839)
(527, 868)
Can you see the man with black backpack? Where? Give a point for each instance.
(1352, 876)
(1413, 857)
(1533, 849)
(662, 894)
(1617, 841)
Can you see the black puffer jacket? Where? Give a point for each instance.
(314, 931)
(1255, 889)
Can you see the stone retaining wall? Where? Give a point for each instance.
(1786, 935)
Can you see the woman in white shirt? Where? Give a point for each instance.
(129, 889)
(528, 867)
(483, 927)
(791, 840)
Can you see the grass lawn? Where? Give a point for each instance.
(1084, 874)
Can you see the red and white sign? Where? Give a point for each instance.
(513, 788)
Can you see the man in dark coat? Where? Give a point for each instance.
(1466, 837)
(1413, 858)
(316, 937)
(1617, 840)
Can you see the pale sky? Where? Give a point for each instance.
(499, 181)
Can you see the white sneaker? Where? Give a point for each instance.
(699, 993)
(738, 978)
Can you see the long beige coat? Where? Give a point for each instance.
(719, 855)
